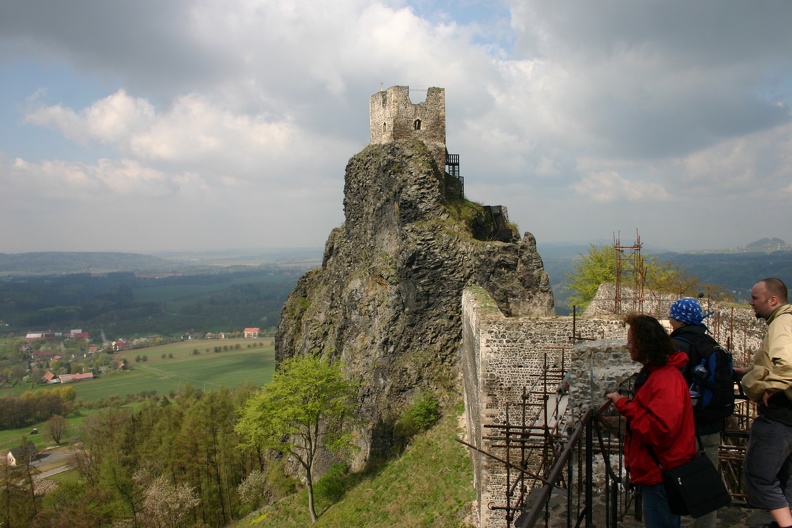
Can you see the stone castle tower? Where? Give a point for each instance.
(394, 117)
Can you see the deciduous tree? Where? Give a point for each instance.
(57, 427)
(598, 266)
(167, 505)
(304, 408)
(17, 493)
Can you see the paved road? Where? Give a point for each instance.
(45, 474)
(58, 456)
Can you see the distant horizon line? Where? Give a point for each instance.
(320, 249)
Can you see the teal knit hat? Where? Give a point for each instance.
(687, 310)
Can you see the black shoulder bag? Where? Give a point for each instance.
(694, 488)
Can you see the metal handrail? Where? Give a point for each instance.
(582, 430)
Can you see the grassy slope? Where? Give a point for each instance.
(431, 484)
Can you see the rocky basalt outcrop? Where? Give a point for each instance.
(387, 298)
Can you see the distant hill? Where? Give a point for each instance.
(735, 271)
(56, 262)
(768, 244)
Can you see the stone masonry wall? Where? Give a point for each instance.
(503, 355)
(500, 357)
(393, 117)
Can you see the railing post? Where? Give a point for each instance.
(589, 473)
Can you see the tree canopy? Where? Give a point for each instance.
(598, 266)
(304, 408)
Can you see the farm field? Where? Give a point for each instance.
(254, 362)
(206, 370)
(12, 437)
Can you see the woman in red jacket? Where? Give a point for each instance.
(660, 415)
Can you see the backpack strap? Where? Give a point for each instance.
(687, 370)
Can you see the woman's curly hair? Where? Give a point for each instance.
(650, 339)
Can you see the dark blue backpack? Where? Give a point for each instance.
(711, 374)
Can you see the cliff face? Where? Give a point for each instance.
(387, 298)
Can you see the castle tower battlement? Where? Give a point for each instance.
(394, 117)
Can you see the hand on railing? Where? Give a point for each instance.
(614, 396)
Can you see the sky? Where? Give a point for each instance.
(192, 125)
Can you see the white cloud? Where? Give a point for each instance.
(107, 121)
(109, 180)
(615, 110)
(194, 135)
(611, 187)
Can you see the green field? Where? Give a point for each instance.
(12, 437)
(207, 370)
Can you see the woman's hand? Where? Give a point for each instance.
(614, 396)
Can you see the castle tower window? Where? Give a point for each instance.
(384, 127)
(417, 124)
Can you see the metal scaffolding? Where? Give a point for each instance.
(630, 276)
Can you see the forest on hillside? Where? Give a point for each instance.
(225, 298)
(180, 461)
(124, 304)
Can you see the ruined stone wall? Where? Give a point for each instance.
(630, 300)
(394, 117)
(502, 355)
(734, 326)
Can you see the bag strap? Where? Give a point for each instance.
(654, 456)
(657, 460)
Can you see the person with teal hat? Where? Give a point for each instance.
(687, 310)
(687, 323)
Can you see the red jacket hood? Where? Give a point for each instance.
(678, 359)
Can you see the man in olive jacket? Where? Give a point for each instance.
(768, 382)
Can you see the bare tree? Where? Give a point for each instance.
(57, 426)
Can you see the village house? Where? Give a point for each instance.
(49, 334)
(69, 378)
(46, 355)
(251, 333)
(18, 455)
(78, 334)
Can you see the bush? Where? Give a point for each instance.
(333, 484)
(253, 490)
(265, 487)
(419, 416)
